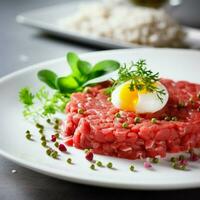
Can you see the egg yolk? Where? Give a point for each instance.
(128, 98)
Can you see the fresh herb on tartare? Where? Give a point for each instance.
(81, 73)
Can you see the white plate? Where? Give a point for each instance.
(47, 19)
(175, 64)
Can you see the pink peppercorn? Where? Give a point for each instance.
(89, 156)
(62, 147)
(147, 165)
(183, 162)
(53, 138)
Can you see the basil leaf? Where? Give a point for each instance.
(67, 84)
(103, 67)
(48, 77)
(96, 74)
(84, 67)
(72, 60)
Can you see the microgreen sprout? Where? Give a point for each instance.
(42, 104)
(26, 97)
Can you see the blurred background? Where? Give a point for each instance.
(48, 29)
(21, 46)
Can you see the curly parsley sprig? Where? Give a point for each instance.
(42, 103)
(140, 77)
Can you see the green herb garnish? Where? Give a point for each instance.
(140, 78)
(42, 103)
(49, 104)
(82, 72)
(26, 97)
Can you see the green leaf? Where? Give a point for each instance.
(48, 77)
(103, 67)
(49, 109)
(67, 84)
(72, 60)
(26, 97)
(84, 67)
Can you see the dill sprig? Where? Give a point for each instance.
(140, 77)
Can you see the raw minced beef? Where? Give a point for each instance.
(98, 127)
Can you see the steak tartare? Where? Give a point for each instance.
(92, 122)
